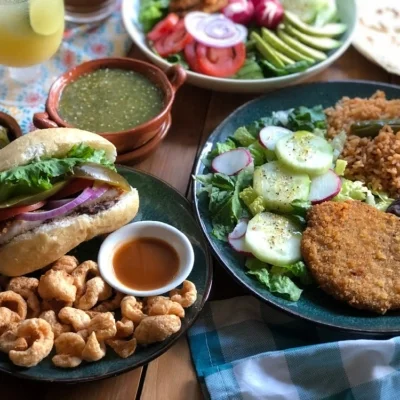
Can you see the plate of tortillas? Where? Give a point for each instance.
(377, 34)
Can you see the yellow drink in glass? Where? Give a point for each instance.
(30, 31)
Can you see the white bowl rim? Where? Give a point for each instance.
(128, 232)
(130, 27)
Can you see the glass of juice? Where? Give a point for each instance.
(30, 33)
(87, 11)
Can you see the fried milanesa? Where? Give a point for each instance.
(353, 252)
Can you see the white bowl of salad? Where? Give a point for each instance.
(246, 46)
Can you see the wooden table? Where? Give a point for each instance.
(196, 113)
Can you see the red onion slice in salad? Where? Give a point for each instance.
(214, 30)
(87, 194)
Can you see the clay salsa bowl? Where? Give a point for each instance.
(129, 139)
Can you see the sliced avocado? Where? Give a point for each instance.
(300, 47)
(286, 60)
(329, 30)
(320, 43)
(282, 47)
(266, 50)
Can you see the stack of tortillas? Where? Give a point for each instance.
(377, 35)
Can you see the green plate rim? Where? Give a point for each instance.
(209, 268)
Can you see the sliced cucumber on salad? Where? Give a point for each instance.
(274, 239)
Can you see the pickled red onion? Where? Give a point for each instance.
(214, 30)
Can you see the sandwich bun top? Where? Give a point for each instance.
(53, 142)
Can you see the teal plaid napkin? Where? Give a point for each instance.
(244, 350)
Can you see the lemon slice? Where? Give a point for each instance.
(46, 16)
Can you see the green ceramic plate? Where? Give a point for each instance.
(158, 202)
(314, 305)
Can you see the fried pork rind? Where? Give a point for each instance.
(27, 288)
(160, 305)
(10, 341)
(124, 348)
(58, 285)
(57, 328)
(39, 335)
(125, 328)
(110, 305)
(103, 325)
(65, 263)
(94, 350)
(72, 316)
(132, 309)
(55, 305)
(8, 319)
(82, 274)
(95, 290)
(185, 296)
(157, 328)
(69, 348)
(14, 302)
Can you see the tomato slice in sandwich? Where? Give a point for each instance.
(220, 62)
(174, 42)
(7, 213)
(75, 186)
(164, 27)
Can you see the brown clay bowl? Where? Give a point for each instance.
(130, 139)
(12, 126)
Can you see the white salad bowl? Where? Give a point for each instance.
(347, 12)
(152, 229)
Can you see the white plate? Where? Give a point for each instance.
(347, 13)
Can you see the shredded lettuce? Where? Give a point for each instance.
(340, 167)
(152, 11)
(307, 119)
(41, 174)
(243, 136)
(220, 148)
(337, 144)
(253, 201)
(258, 153)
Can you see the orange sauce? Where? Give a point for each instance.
(145, 263)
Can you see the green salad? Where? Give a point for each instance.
(261, 182)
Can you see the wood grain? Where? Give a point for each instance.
(172, 376)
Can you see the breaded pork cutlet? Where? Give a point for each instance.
(353, 251)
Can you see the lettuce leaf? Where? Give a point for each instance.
(40, 175)
(307, 119)
(151, 12)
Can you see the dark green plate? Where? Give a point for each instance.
(314, 305)
(158, 202)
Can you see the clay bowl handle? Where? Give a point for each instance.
(176, 75)
(42, 121)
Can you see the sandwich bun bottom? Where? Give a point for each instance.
(40, 247)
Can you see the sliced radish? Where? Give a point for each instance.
(240, 229)
(324, 187)
(239, 245)
(232, 162)
(269, 135)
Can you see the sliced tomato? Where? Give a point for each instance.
(7, 213)
(174, 42)
(220, 62)
(75, 186)
(164, 27)
(190, 56)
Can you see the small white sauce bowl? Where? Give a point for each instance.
(145, 229)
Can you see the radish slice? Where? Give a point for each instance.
(324, 187)
(269, 135)
(239, 245)
(240, 229)
(232, 162)
(214, 30)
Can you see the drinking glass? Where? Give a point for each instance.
(30, 33)
(89, 11)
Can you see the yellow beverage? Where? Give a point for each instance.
(30, 31)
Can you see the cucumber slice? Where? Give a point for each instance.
(274, 239)
(280, 187)
(305, 152)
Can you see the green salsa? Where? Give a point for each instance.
(110, 100)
